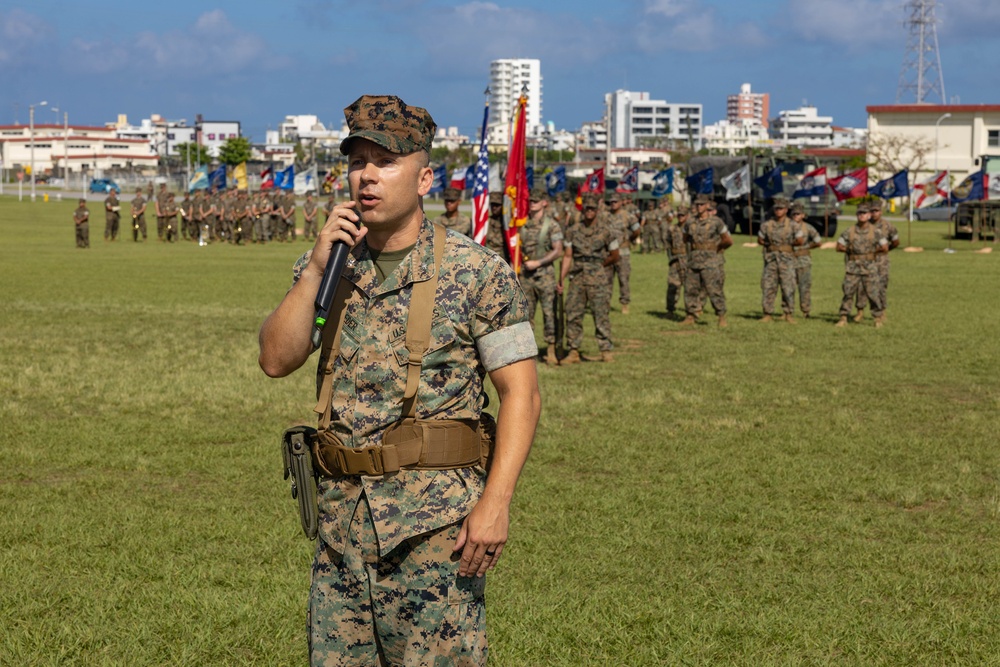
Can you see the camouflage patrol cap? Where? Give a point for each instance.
(797, 207)
(781, 202)
(612, 196)
(702, 199)
(874, 204)
(389, 122)
(496, 198)
(452, 194)
(864, 208)
(683, 210)
(538, 194)
(590, 199)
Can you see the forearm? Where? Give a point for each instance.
(516, 421)
(286, 336)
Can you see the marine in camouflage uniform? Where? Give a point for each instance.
(112, 215)
(204, 217)
(652, 231)
(541, 244)
(388, 586)
(288, 214)
(261, 216)
(161, 211)
(887, 229)
(309, 214)
(171, 231)
(242, 225)
(862, 243)
(278, 230)
(81, 221)
(589, 247)
(189, 228)
(706, 237)
(778, 238)
(677, 256)
(452, 218)
(495, 240)
(625, 226)
(666, 212)
(138, 216)
(803, 258)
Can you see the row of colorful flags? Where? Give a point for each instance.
(270, 178)
(851, 185)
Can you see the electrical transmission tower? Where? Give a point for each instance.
(921, 74)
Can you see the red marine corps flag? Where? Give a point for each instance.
(516, 186)
(850, 186)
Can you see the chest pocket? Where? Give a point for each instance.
(442, 343)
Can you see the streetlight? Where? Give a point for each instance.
(937, 128)
(55, 110)
(31, 135)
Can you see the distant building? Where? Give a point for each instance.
(802, 128)
(849, 137)
(449, 138)
(308, 129)
(593, 134)
(507, 79)
(163, 134)
(734, 137)
(76, 148)
(959, 135)
(213, 133)
(637, 120)
(746, 105)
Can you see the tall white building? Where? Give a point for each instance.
(507, 78)
(637, 120)
(803, 127)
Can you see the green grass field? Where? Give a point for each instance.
(760, 495)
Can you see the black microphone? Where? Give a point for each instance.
(327, 288)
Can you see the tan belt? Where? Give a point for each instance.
(704, 246)
(413, 444)
(780, 248)
(860, 256)
(802, 253)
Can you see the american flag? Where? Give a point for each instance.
(481, 187)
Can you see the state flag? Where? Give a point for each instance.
(702, 182)
(737, 183)
(851, 185)
(970, 189)
(663, 182)
(440, 180)
(897, 185)
(931, 191)
(630, 181)
(771, 183)
(812, 184)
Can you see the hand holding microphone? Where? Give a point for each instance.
(344, 224)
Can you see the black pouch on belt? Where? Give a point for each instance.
(296, 452)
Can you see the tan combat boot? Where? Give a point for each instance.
(860, 316)
(842, 322)
(690, 319)
(606, 357)
(722, 322)
(767, 318)
(550, 357)
(788, 318)
(572, 358)
(879, 321)
(624, 309)
(805, 314)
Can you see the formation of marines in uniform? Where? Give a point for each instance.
(693, 238)
(231, 216)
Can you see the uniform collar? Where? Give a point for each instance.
(417, 267)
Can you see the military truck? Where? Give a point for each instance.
(748, 212)
(979, 219)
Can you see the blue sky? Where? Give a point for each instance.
(257, 61)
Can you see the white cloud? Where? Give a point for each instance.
(22, 37)
(668, 8)
(857, 25)
(212, 45)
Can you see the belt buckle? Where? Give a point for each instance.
(367, 460)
